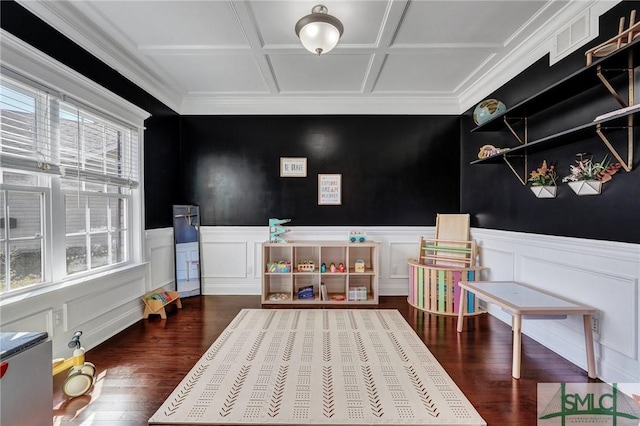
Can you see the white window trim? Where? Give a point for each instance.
(26, 60)
(47, 257)
(23, 59)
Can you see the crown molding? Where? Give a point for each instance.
(28, 62)
(321, 106)
(529, 50)
(67, 18)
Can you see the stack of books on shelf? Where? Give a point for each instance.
(323, 292)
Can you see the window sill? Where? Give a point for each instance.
(43, 289)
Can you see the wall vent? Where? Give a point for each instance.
(572, 36)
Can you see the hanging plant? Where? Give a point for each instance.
(587, 169)
(587, 176)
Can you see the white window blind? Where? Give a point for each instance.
(26, 128)
(41, 132)
(95, 149)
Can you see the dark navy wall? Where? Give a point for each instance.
(396, 170)
(162, 172)
(497, 200)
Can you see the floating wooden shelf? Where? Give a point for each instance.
(574, 84)
(561, 138)
(617, 64)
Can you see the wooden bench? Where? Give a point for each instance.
(521, 300)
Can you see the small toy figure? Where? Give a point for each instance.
(323, 267)
(341, 267)
(357, 236)
(306, 266)
(332, 267)
(276, 231)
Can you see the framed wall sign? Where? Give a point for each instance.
(293, 167)
(330, 189)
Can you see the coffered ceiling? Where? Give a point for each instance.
(243, 57)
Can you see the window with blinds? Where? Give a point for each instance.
(96, 150)
(48, 137)
(41, 132)
(26, 128)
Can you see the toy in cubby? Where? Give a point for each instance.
(306, 266)
(358, 293)
(360, 266)
(333, 268)
(281, 266)
(306, 293)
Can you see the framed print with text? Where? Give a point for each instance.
(330, 190)
(293, 167)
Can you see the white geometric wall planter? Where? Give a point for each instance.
(544, 191)
(586, 187)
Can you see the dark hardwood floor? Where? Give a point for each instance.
(138, 368)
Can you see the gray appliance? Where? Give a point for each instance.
(26, 380)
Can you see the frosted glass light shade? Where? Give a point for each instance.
(319, 32)
(319, 37)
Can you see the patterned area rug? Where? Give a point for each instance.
(318, 367)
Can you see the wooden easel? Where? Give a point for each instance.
(623, 38)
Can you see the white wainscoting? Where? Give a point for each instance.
(602, 274)
(160, 252)
(232, 257)
(101, 307)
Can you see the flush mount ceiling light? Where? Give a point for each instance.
(319, 32)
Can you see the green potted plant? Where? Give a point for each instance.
(543, 181)
(587, 176)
